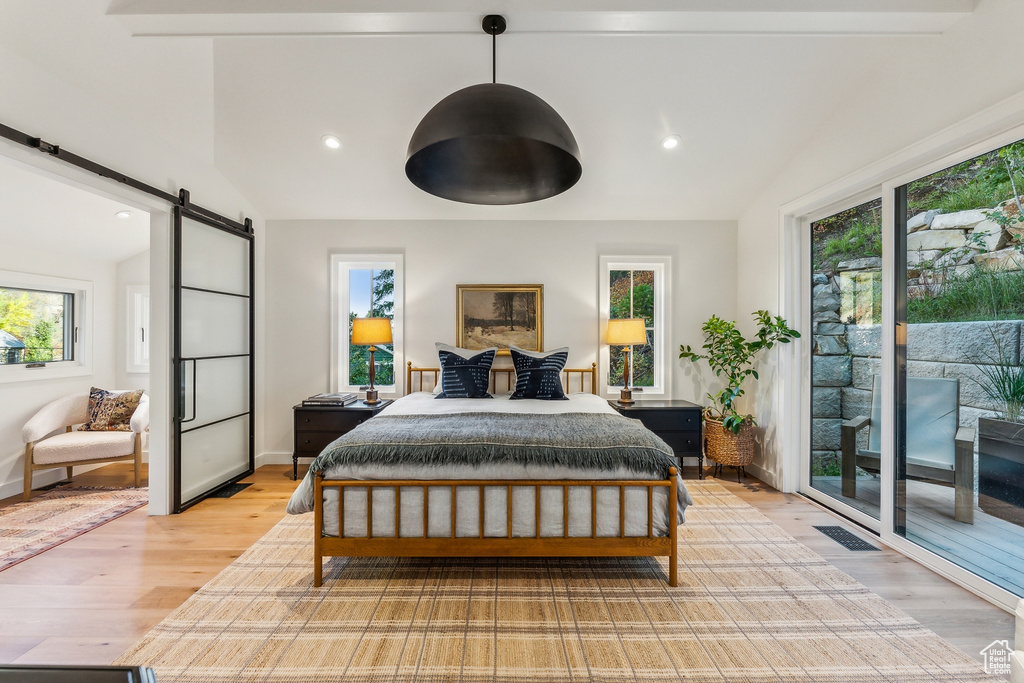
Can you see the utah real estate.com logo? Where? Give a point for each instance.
(997, 658)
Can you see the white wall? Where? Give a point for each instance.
(563, 256)
(926, 88)
(20, 400)
(131, 271)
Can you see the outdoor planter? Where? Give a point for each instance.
(1001, 469)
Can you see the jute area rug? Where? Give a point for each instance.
(752, 605)
(53, 517)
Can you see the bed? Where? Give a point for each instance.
(487, 478)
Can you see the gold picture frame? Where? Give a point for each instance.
(488, 315)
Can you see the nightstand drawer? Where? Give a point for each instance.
(313, 442)
(682, 442)
(334, 421)
(668, 420)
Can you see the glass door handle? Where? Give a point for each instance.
(181, 390)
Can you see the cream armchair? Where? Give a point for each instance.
(73, 447)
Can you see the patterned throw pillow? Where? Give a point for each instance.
(110, 412)
(464, 376)
(538, 375)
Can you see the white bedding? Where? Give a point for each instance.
(495, 502)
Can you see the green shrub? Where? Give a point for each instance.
(976, 194)
(978, 295)
(860, 240)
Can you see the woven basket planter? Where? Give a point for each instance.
(726, 448)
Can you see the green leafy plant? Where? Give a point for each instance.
(731, 356)
(1002, 380)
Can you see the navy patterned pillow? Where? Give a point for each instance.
(538, 375)
(464, 376)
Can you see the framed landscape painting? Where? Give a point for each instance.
(499, 315)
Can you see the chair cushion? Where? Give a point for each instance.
(111, 411)
(79, 446)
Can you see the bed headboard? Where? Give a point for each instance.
(502, 379)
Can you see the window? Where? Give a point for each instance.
(636, 287)
(138, 329)
(366, 286)
(41, 329)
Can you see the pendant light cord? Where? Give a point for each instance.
(494, 57)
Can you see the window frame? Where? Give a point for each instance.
(340, 265)
(662, 267)
(80, 326)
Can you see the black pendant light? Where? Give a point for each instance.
(493, 144)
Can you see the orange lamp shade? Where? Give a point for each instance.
(626, 332)
(369, 331)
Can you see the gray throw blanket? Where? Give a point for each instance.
(597, 441)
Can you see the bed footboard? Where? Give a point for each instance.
(396, 545)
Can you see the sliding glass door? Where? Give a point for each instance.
(916, 390)
(959, 285)
(846, 358)
(213, 359)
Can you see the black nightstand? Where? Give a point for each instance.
(678, 423)
(317, 426)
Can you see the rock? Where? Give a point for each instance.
(830, 371)
(826, 433)
(1004, 259)
(915, 259)
(960, 342)
(825, 317)
(825, 402)
(864, 340)
(835, 329)
(937, 239)
(825, 345)
(921, 291)
(961, 220)
(864, 371)
(955, 257)
(856, 402)
(1010, 207)
(991, 235)
(824, 299)
(921, 221)
(868, 263)
(827, 462)
(819, 279)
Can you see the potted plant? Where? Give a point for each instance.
(1001, 439)
(728, 434)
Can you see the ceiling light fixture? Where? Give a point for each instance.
(331, 141)
(493, 143)
(123, 214)
(671, 142)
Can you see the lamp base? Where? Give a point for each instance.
(626, 396)
(371, 398)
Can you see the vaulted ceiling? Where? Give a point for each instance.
(251, 87)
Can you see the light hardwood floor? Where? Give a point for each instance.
(89, 599)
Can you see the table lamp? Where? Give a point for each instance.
(370, 331)
(626, 332)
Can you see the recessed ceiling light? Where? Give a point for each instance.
(123, 214)
(331, 141)
(671, 142)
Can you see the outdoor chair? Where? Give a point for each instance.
(938, 449)
(73, 447)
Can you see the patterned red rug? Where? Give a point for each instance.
(58, 515)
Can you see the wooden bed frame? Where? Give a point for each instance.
(489, 546)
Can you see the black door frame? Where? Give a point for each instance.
(179, 363)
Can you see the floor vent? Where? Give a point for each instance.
(845, 538)
(229, 490)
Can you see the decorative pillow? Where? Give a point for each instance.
(538, 374)
(465, 373)
(110, 411)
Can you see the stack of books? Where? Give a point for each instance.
(330, 400)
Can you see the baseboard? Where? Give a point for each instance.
(273, 458)
(759, 472)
